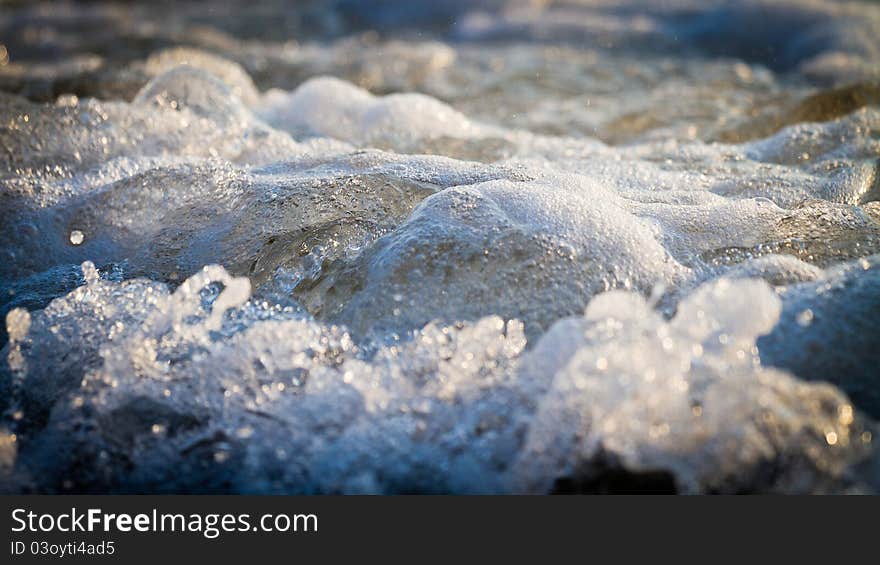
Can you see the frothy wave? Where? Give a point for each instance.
(501, 262)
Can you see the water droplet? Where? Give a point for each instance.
(805, 318)
(76, 237)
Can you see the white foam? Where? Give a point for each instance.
(463, 267)
(534, 251)
(331, 107)
(687, 395)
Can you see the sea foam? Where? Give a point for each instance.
(487, 259)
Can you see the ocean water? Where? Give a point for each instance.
(467, 247)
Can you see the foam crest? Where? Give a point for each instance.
(535, 251)
(330, 107)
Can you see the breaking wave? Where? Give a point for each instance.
(549, 247)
